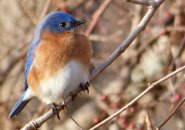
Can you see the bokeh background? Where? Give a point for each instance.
(155, 53)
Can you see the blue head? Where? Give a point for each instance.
(60, 22)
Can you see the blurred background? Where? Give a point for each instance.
(157, 51)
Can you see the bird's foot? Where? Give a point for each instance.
(85, 87)
(56, 109)
(73, 96)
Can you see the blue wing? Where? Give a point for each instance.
(29, 61)
(20, 104)
(27, 95)
(30, 55)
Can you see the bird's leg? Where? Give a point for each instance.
(85, 87)
(55, 110)
(73, 96)
(56, 107)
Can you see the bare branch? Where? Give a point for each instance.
(181, 48)
(151, 86)
(126, 43)
(96, 16)
(69, 115)
(172, 113)
(44, 11)
(148, 122)
(29, 12)
(140, 2)
(152, 3)
(150, 42)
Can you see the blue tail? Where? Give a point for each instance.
(18, 107)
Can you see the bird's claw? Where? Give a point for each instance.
(73, 96)
(56, 109)
(85, 87)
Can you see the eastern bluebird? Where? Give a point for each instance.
(57, 63)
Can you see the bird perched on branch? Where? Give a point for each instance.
(57, 63)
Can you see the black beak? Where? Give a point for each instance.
(77, 23)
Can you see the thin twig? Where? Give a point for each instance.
(11, 67)
(97, 16)
(181, 48)
(69, 115)
(140, 2)
(172, 113)
(153, 39)
(29, 12)
(44, 10)
(152, 3)
(151, 86)
(148, 122)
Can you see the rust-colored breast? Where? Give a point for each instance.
(55, 51)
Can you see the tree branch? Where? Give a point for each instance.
(140, 2)
(172, 113)
(151, 86)
(97, 15)
(152, 3)
(44, 10)
(126, 43)
(148, 122)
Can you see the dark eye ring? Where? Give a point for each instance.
(63, 24)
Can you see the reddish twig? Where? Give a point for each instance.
(172, 113)
(97, 16)
(181, 48)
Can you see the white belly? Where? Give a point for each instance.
(63, 83)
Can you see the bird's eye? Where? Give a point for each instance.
(63, 24)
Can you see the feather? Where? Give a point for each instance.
(21, 103)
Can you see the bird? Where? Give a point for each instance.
(58, 61)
